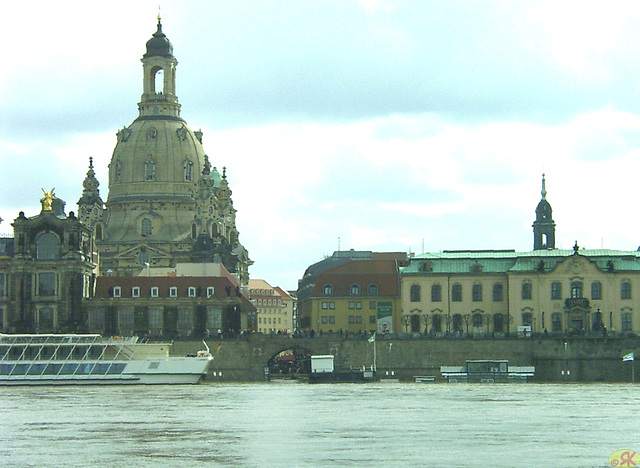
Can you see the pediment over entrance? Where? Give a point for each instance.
(576, 265)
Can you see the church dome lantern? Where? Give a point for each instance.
(159, 45)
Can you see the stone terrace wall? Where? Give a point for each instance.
(583, 359)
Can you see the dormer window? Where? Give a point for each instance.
(210, 291)
(146, 227)
(188, 171)
(173, 291)
(116, 291)
(154, 291)
(328, 290)
(191, 291)
(355, 289)
(135, 291)
(149, 170)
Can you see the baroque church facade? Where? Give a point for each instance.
(167, 211)
(166, 204)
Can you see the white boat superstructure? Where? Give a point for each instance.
(62, 359)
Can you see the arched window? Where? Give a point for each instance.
(498, 323)
(626, 321)
(477, 320)
(436, 293)
(527, 319)
(98, 231)
(188, 171)
(497, 292)
(436, 323)
(149, 170)
(372, 289)
(146, 227)
(476, 293)
(328, 290)
(47, 247)
(117, 172)
(625, 290)
(414, 293)
(457, 323)
(456, 292)
(355, 289)
(415, 323)
(596, 321)
(576, 289)
(158, 80)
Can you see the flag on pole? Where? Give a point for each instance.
(218, 347)
(373, 338)
(628, 357)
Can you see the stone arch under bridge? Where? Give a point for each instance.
(247, 359)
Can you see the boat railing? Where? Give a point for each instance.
(56, 355)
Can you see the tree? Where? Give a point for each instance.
(406, 321)
(467, 321)
(426, 319)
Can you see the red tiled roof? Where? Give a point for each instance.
(383, 273)
(223, 287)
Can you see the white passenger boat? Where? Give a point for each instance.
(64, 359)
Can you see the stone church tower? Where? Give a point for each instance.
(165, 205)
(544, 228)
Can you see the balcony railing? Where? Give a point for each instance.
(576, 303)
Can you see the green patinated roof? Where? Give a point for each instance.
(503, 261)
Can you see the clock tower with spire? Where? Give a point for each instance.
(544, 228)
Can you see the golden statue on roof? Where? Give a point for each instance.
(47, 202)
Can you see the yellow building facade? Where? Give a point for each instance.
(547, 291)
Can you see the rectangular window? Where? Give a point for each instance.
(526, 290)
(358, 305)
(476, 293)
(332, 305)
(556, 290)
(596, 290)
(626, 321)
(154, 291)
(116, 291)
(325, 305)
(324, 319)
(46, 284)
(156, 318)
(352, 319)
(3, 289)
(372, 305)
(210, 291)
(456, 293)
(436, 293)
(332, 319)
(125, 320)
(497, 293)
(191, 291)
(352, 305)
(625, 290)
(358, 319)
(372, 319)
(173, 291)
(135, 291)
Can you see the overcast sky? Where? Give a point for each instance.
(366, 124)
